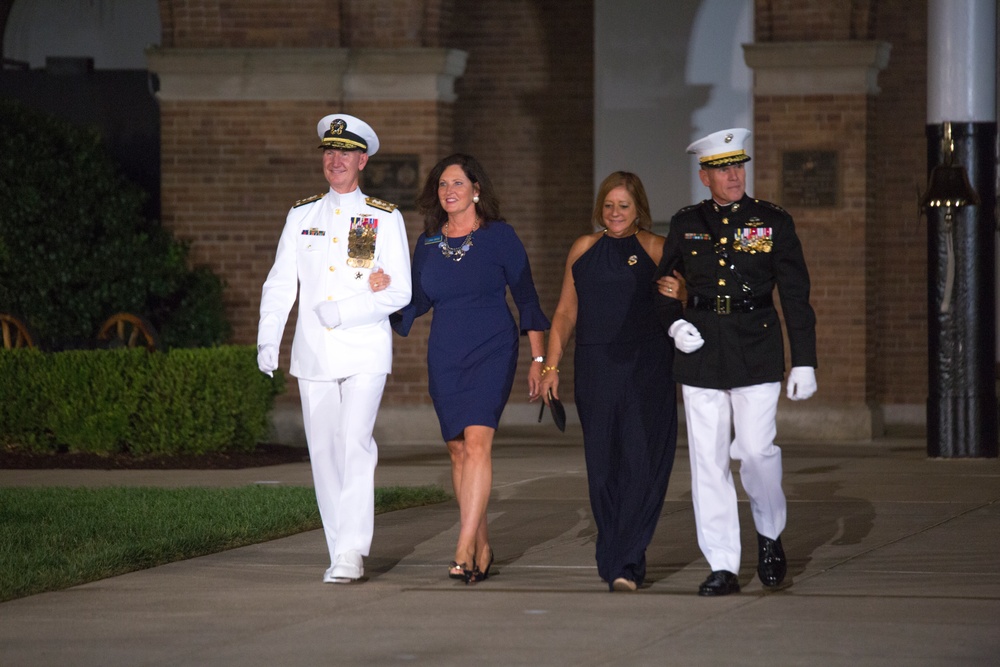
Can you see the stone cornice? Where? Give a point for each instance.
(306, 74)
(817, 68)
(403, 74)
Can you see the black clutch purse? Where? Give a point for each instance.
(558, 412)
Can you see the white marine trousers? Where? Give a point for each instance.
(747, 415)
(339, 418)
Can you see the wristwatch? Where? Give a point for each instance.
(540, 360)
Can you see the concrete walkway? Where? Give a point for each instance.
(894, 560)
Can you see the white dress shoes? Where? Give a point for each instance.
(347, 567)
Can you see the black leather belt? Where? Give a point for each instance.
(723, 305)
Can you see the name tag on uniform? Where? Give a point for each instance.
(432, 240)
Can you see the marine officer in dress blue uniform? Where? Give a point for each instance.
(732, 251)
(342, 349)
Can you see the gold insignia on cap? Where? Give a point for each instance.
(721, 148)
(340, 137)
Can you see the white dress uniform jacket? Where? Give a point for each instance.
(312, 261)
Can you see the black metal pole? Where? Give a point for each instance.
(962, 414)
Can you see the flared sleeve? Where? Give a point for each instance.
(522, 288)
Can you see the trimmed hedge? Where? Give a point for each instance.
(191, 401)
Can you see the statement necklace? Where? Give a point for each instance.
(458, 253)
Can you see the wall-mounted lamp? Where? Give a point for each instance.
(948, 187)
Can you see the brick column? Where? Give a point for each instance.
(815, 98)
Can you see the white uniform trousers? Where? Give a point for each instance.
(711, 417)
(339, 417)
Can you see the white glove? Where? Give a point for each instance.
(686, 336)
(267, 358)
(328, 313)
(801, 383)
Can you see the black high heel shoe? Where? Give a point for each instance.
(475, 575)
(456, 570)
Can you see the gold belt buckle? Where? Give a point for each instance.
(723, 305)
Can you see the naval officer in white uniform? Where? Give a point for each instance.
(342, 349)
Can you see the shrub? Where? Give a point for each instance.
(185, 401)
(75, 247)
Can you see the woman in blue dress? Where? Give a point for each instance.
(624, 387)
(463, 265)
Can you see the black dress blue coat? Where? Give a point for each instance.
(742, 251)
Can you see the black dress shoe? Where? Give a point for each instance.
(771, 564)
(720, 582)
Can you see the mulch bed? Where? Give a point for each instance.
(264, 455)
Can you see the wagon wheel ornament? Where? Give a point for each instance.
(128, 330)
(15, 333)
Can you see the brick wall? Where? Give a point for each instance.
(303, 23)
(823, 20)
(900, 238)
(393, 23)
(833, 238)
(867, 256)
(249, 23)
(231, 170)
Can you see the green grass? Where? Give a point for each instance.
(54, 538)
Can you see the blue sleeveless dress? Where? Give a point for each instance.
(626, 398)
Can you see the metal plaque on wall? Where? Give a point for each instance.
(809, 179)
(393, 178)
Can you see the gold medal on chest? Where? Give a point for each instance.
(361, 242)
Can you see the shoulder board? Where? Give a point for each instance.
(771, 206)
(378, 203)
(308, 200)
(688, 209)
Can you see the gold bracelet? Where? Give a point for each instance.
(546, 369)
